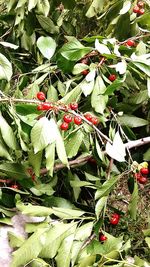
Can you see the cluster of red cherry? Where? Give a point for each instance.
(114, 220)
(67, 118)
(139, 8)
(141, 175)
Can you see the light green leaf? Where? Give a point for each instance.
(52, 94)
(73, 143)
(32, 210)
(74, 50)
(67, 213)
(106, 187)
(43, 133)
(47, 46)
(4, 152)
(99, 206)
(143, 66)
(121, 67)
(15, 240)
(50, 157)
(32, 4)
(132, 121)
(60, 148)
(146, 155)
(81, 183)
(87, 87)
(5, 68)
(10, 45)
(54, 238)
(133, 202)
(98, 100)
(39, 263)
(101, 48)
(42, 189)
(95, 7)
(30, 249)
(98, 149)
(35, 161)
(47, 24)
(79, 67)
(43, 7)
(125, 8)
(73, 95)
(64, 256)
(147, 240)
(148, 86)
(14, 170)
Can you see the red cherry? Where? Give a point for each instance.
(141, 11)
(102, 237)
(67, 118)
(116, 215)
(144, 171)
(77, 120)
(140, 4)
(40, 107)
(94, 120)
(14, 186)
(136, 9)
(142, 180)
(74, 106)
(137, 175)
(40, 96)
(47, 106)
(88, 116)
(112, 77)
(84, 72)
(130, 43)
(114, 221)
(64, 126)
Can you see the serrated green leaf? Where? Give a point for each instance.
(133, 202)
(99, 206)
(7, 133)
(73, 144)
(50, 158)
(64, 256)
(43, 133)
(98, 100)
(32, 210)
(5, 68)
(47, 46)
(14, 170)
(35, 161)
(42, 189)
(106, 187)
(132, 121)
(47, 24)
(30, 249)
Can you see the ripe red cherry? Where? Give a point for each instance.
(40, 107)
(142, 180)
(47, 106)
(40, 96)
(64, 126)
(141, 11)
(144, 171)
(88, 116)
(136, 9)
(14, 186)
(67, 118)
(114, 221)
(74, 106)
(130, 43)
(102, 237)
(137, 175)
(77, 120)
(84, 72)
(140, 4)
(116, 215)
(112, 77)
(94, 120)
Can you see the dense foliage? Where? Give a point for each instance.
(75, 130)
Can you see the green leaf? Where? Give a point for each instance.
(64, 256)
(117, 149)
(87, 87)
(98, 100)
(43, 133)
(134, 202)
(144, 21)
(60, 148)
(142, 66)
(32, 210)
(47, 24)
(147, 155)
(30, 249)
(43, 7)
(81, 183)
(101, 48)
(74, 50)
(95, 7)
(79, 67)
(132, 121)
(106, 187)
(5, 68)
(114, 86)
(15, 240)
(147, 240)
(10, 45)
(50, 158)
(73, 143)
(52, 94)
(41, 189)
(148, 86)
(73, 95)
(32, 4)
(39, 263)
(47, 46)
(54, 238)
(4, 152)
(67, 213)
(100, 206)
(35, 161)
(14, 170)
(7, 133)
